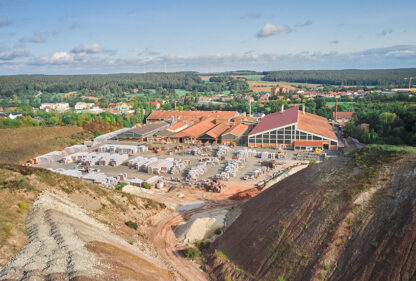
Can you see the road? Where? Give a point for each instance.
(164, 240)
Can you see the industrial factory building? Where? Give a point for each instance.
(293, 128)
(141, 133)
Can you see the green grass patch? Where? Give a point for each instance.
(221, 254)
(131, 224)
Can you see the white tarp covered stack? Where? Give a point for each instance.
(198, 150)
(135, 182)
(101, 139)
(196, 171)
(70, 172)
(230, 169)
(266, 155)
(75, 157)
(119, 148)
(244, 153)
(100, 178)
(50, 157)
(113, 159)
(223, 150)
(142, 148)
(75, 148)
(155, 181)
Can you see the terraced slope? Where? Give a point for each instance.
(351, 218)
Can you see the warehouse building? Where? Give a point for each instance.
(187, 115)
(191, 134)
(234, 134)
(293, 128)
(214, 134)
(143, 132)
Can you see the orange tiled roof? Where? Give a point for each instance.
(196, 130)
(237, 130)
(176, 126)
(167, 114)
(315, 124)
(217, 130)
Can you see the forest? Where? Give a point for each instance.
(103, 85)
(347, 77)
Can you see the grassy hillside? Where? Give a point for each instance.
(349, 218)
(21, 144)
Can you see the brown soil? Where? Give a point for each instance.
(243, 195)
(307, 227)
(126, 266)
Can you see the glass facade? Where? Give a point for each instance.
(285, 135)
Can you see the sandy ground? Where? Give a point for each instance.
(201, 226)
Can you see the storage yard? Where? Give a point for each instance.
(209, 167)
(195, 150)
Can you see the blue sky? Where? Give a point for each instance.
(65, 37)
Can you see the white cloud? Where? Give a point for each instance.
(66, 62)
(60, 58)
(271, 29)
(14, 54)
(87, 49)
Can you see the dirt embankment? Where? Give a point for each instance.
(76, 230)
(345, 219)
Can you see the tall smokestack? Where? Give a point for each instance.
(303, 108)
(336, 110)
(283, 108)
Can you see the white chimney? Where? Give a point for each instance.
(303, 108)
(283, 108)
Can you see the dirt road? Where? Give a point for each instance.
(164, 240)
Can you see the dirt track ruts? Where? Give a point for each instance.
(164, 240)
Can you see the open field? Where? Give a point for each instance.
(265, 86)
(21, 144)
(250, 77)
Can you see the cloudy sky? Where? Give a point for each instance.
(98, 36)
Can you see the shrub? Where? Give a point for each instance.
(227, 278)
(221, 255)
(22, 207)
(120, 186)
(218, 231)
(192, 253)
(131, 224)
(326, 267)
(146, 185)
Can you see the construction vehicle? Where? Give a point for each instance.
(260, 185)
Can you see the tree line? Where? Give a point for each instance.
(351, 77)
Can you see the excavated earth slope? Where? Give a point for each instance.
(66, 244)
(350, 218)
